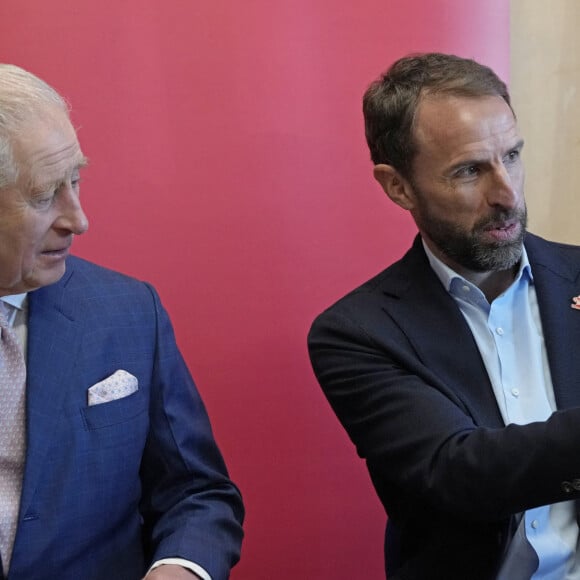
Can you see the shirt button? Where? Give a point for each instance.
(465, 288)
(516, 392)
(535, 524)
(499, 330)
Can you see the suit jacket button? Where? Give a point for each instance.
(567, 487)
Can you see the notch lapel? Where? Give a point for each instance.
(53, 344)
(440, 335)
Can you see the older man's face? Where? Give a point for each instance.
(41, 212)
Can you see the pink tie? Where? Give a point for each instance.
(12, 433)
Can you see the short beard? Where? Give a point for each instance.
(467, 249)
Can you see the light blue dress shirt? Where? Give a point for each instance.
(509, 335)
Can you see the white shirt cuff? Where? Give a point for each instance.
(195, 568)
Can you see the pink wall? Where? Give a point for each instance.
(228, 167)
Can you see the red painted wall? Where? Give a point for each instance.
(228, 167)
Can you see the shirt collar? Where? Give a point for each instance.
(447, 274)
(15, 300)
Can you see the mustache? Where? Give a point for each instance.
(500, 218)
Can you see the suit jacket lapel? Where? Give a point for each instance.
(53, 343)
(440, 334)
(556, 282)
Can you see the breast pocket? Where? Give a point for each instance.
(115, 412)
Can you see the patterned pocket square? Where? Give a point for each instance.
(120, 384)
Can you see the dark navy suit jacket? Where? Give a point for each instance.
(108, 489)
(400, 367)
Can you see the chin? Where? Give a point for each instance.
(41, 279)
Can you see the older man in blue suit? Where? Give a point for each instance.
(453, 370)
(108, 466)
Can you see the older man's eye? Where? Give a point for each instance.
(43, 201)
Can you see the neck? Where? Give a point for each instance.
(492, 284)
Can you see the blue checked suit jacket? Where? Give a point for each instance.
(108, 489)
(399, 365)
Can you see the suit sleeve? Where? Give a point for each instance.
(420, 440)
(190, 507)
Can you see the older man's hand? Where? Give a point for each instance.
(171, 572)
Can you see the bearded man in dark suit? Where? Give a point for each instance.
(452, 370)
